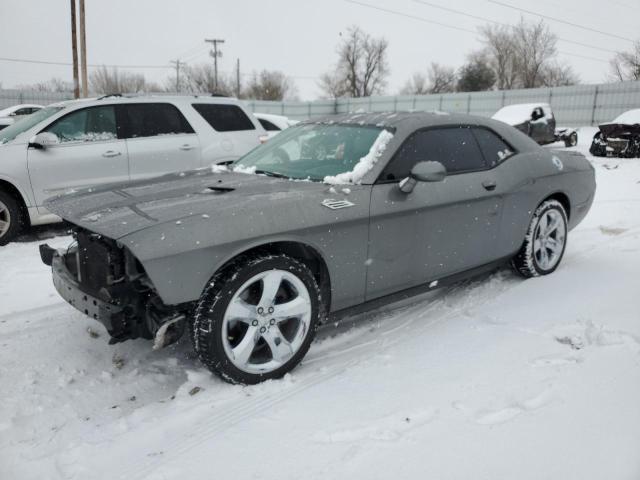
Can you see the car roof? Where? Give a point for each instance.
(124, 99)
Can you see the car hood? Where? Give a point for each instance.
(117, 210)
(615, 129)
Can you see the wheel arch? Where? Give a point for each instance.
(14, 191)
(298, 250)
(561, 197)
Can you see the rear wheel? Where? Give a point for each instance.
(11, 218)
(257, 318)
(571, 140)
(545, 241)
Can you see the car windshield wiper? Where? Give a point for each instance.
(271, 174)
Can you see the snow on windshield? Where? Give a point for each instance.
(365, 164)
(630, 117)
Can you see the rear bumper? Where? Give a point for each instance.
(70, 290)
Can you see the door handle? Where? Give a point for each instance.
(111, 153)
(489, 185)
(186, 146)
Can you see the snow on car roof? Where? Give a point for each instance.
(630, 117)
(519, 113)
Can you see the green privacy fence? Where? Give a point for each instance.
(573, 106)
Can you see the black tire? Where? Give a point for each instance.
(525, 262)
(571, 140)
(207, 320)
(14, 214)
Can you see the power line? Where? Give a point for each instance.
(66, 64)
(422, 19)
(559, 20)
(485, 19)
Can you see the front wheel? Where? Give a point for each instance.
(257, 318)
(545, 241)
(11, 218)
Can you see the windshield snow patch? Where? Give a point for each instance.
(365, 164)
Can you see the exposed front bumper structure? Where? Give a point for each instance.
(68, 286)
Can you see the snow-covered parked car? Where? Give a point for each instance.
(9, 116)
(250, 258)
(274, 124)
(618, 138)
(537, 121)
(83, 143)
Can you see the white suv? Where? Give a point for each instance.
(83, 143)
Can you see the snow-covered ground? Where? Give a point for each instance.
(499, 378)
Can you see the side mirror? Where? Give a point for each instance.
(43, 140)
(423, 172)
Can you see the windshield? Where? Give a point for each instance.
(315, 151)
(24, 124)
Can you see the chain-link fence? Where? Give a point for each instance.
(573, 106)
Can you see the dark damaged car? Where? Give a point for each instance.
(250, 258)
(619, 138)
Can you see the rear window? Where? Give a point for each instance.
(268, 126)
(224, 118)
(494, 149)
(152, 119)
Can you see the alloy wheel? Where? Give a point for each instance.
(549, 239)
(5, 219)
(266, 321)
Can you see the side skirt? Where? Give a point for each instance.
(417, 290)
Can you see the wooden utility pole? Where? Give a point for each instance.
(215, 54)
(74, 51)
(83, 52)
(238, 78)
(178, 63)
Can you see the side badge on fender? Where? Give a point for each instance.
(336, 204)
(557, 162)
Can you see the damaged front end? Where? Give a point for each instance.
(101, 278)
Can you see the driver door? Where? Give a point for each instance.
(89, 153)
(440, 228)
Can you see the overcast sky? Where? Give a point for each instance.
(298, 37)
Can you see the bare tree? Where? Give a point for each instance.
(416, 85)
(442, 79)
(626, 65)
(535, 46)
(201, 79)
(557, 75)
(362, 67)
(270, 85)
(501, 54)
(53, 85)
(106, 81)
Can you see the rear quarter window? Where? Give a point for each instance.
(224, 118)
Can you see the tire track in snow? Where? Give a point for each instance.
(250, 407)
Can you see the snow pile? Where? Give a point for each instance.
(219, 168)
(365, 164)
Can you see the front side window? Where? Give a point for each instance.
(154, 119)
(313, 151)
(494, 149)
(93, 124)
(224, 118)
(454, 147)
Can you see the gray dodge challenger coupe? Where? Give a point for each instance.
(330, 216)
